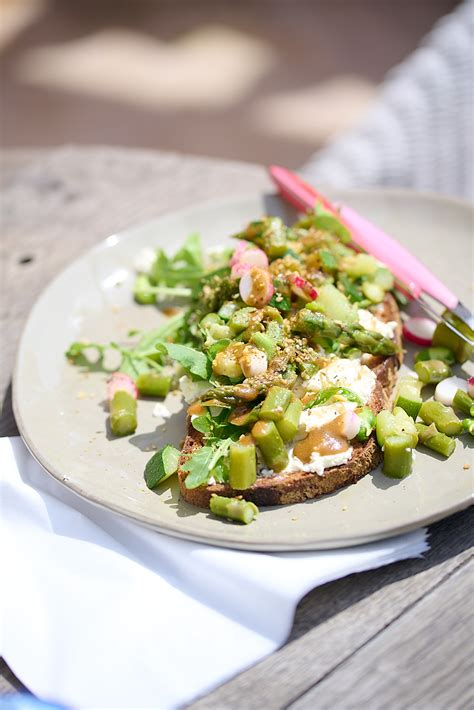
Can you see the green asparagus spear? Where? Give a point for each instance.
(398, 456)
(463, 402)
(288, 426)
(275, 403)
(432, 371)
(439, 353)
(265, 343)
(408, 395)
(468, 426)
(242, 511)
(123, 414)
(443, 417)
(243, 466)
(314, 324)
(395, 424)
(270, 444)
(445, 337)
(367, 422)
(430, 437)
(153, 384)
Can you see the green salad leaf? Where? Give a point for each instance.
(193, 361)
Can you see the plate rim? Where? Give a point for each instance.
(231, 541)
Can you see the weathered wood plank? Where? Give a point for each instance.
(414, 662)
(336, 620)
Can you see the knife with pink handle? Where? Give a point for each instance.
(410, 272)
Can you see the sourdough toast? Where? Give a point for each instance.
(300, 486)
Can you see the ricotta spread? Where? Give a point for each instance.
(344, 372)
(370, 322)
(314, 419)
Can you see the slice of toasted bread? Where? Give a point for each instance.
(300, 486)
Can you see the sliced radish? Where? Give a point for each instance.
(120, 381)
(446, 389)
(246, 259)
(239, 269)
(256, 287)
(239, 250)
(470, 387)
(419, 330)
(350, 424)
(302, 288)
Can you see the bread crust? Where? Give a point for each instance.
(300, 486)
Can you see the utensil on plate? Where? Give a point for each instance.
(416, 279)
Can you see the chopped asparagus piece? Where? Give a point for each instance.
(432, 371)
(288, 426)
(270, 444)
(443, 417)
(398, 456)
(123, 414)
(435, 440)
(243, 466)
(153, 384)
(275, 403)
(242, 511)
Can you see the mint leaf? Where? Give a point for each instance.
(161, 466)
(278, 300)
(193, 361)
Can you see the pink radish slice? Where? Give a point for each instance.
(419, 330)
(470, 387)
(239, 269)
(239, 250)
(446, 389)
(302, 288)
(120, 381)
(256, 287)
(350, 425)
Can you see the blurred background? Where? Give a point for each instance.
(258, 80)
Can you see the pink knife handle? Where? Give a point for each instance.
(405, 267)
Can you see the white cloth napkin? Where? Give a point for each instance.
(100, 612)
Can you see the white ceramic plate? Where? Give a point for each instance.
(61, 415)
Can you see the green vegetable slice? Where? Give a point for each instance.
(161, 466)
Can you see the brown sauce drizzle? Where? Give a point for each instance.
(326, 441)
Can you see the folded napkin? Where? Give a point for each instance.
(100, 612)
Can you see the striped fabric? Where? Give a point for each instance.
(419, 132)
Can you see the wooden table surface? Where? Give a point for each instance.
(397, 637)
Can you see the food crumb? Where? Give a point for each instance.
(466, 466)
(115, 309)
(81, 395)
(294, 519)
(344, 508)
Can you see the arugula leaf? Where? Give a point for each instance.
(217, 347)
(200, 465)
(193, 361)
(161, 466)
(202, 424)
(148, 342)
(191, 252)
